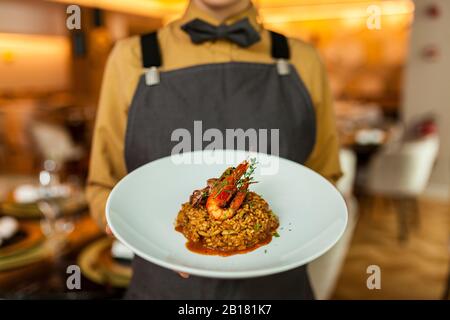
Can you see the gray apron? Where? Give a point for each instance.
(223, 95)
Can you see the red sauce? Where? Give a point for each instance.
(198, 247)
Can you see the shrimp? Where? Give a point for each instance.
(225, 190)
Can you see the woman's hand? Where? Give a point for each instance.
(108, 231)
(184, 275)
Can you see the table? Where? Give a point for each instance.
(46, 279)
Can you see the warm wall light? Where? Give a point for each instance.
(151, 8)
(36, 43)
(333, 11)
(7, 56)
(272, 11)
(34, 62)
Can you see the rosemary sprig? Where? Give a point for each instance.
(247, 177)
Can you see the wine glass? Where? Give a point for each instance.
(55, 226)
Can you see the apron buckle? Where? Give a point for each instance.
(152, 76)
(282, 67)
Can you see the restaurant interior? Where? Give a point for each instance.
(388, 65)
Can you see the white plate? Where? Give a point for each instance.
(143, 206)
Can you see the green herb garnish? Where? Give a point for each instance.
(257, 226)
(247, 177)
(276, 235)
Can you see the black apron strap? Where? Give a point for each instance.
(280, 46)
(151, 55)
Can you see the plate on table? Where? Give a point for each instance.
(142, 208)
(36, 254)
(27, 237)
(98, 265)
(26, 247)
(69, 206)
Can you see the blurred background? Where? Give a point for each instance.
(389, 69)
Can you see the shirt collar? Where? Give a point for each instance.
(193, 12)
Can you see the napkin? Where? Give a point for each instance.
(370, 136)
(120, 251)
(28, 193)
(8, 228)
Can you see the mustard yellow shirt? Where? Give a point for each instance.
(124, 67)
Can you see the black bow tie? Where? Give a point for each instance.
(241, 32)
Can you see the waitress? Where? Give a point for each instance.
(216, 64)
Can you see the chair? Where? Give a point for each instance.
(55, 143)
(325, 270)
(401, 174)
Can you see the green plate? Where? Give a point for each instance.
(33, 236)
(37, 253)
(69, 206)
(97, 264)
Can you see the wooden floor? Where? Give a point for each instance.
(416, 269)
